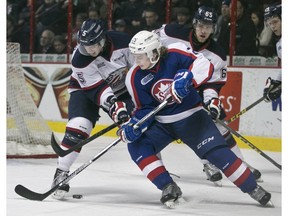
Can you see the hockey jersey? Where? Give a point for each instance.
(172, 33)
(148, 88)
(105, 74)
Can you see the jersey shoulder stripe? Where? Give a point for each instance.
(177, 31)
(81, 61)
(119, 40)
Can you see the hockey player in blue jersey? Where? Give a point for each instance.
(176, 71)
(199, 38)
(99, 66)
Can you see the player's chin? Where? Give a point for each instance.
(202, 39)
(93, 54)
(143, 67)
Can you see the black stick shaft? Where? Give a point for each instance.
(63, 153)
(249, 144)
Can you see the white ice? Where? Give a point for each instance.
(114, 186)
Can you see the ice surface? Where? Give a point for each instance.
(114, 186)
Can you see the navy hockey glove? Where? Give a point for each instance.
(180, 85)
(118, 112)
(272, 90)
(127, 132)
(214, 106)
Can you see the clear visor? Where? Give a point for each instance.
(140, 57)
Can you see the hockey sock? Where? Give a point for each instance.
(237, 152)
(154, 169)
(233, 168)
(71, 138)
(64, 163)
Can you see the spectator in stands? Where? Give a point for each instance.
(223, 18)
(11, 29)
(131, 12)
(116, 11)
(245, 33)
(157, 6)
(93, 13)
(60, 44)
(79, 19)
(51, 15)
(183, 17)
(263, 34)
(177, 4)
(45, 44)
(120, 25)
(81, 6)
(23, 27)
(151, 20)
(13, 8)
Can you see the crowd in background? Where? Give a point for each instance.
(252, 35)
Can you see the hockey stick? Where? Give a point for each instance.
(26, 193)
(62, 152)
(249, 143)
(233, 118)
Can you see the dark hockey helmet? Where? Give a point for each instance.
(272, 11)
(205, 15)
(91, 32)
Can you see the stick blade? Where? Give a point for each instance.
(28, 194)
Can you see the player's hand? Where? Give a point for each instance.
(214, 106)
(118, 112)
(180, 85)
(272, 90)
(127, 132)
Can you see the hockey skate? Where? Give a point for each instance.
(261, 195)
(171, 195)
(257, 174)
(59, 176)
(213, 174)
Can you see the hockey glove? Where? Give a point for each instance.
(180, 85)
(214, 106)
(272, 90)
(128, 134)
(118, 112)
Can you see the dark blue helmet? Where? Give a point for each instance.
(91, 32)
(206, 15)
(272, 11)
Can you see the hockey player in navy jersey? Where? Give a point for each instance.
(99, 66)
(176, 72)
(272, 16)
(199, 38)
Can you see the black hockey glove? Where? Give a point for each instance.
(214, 106)
(272, 90)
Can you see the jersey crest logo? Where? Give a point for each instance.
(161, 89)
(147, 79)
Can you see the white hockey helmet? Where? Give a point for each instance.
(146, 42)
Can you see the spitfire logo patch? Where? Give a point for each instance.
(160, 90)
